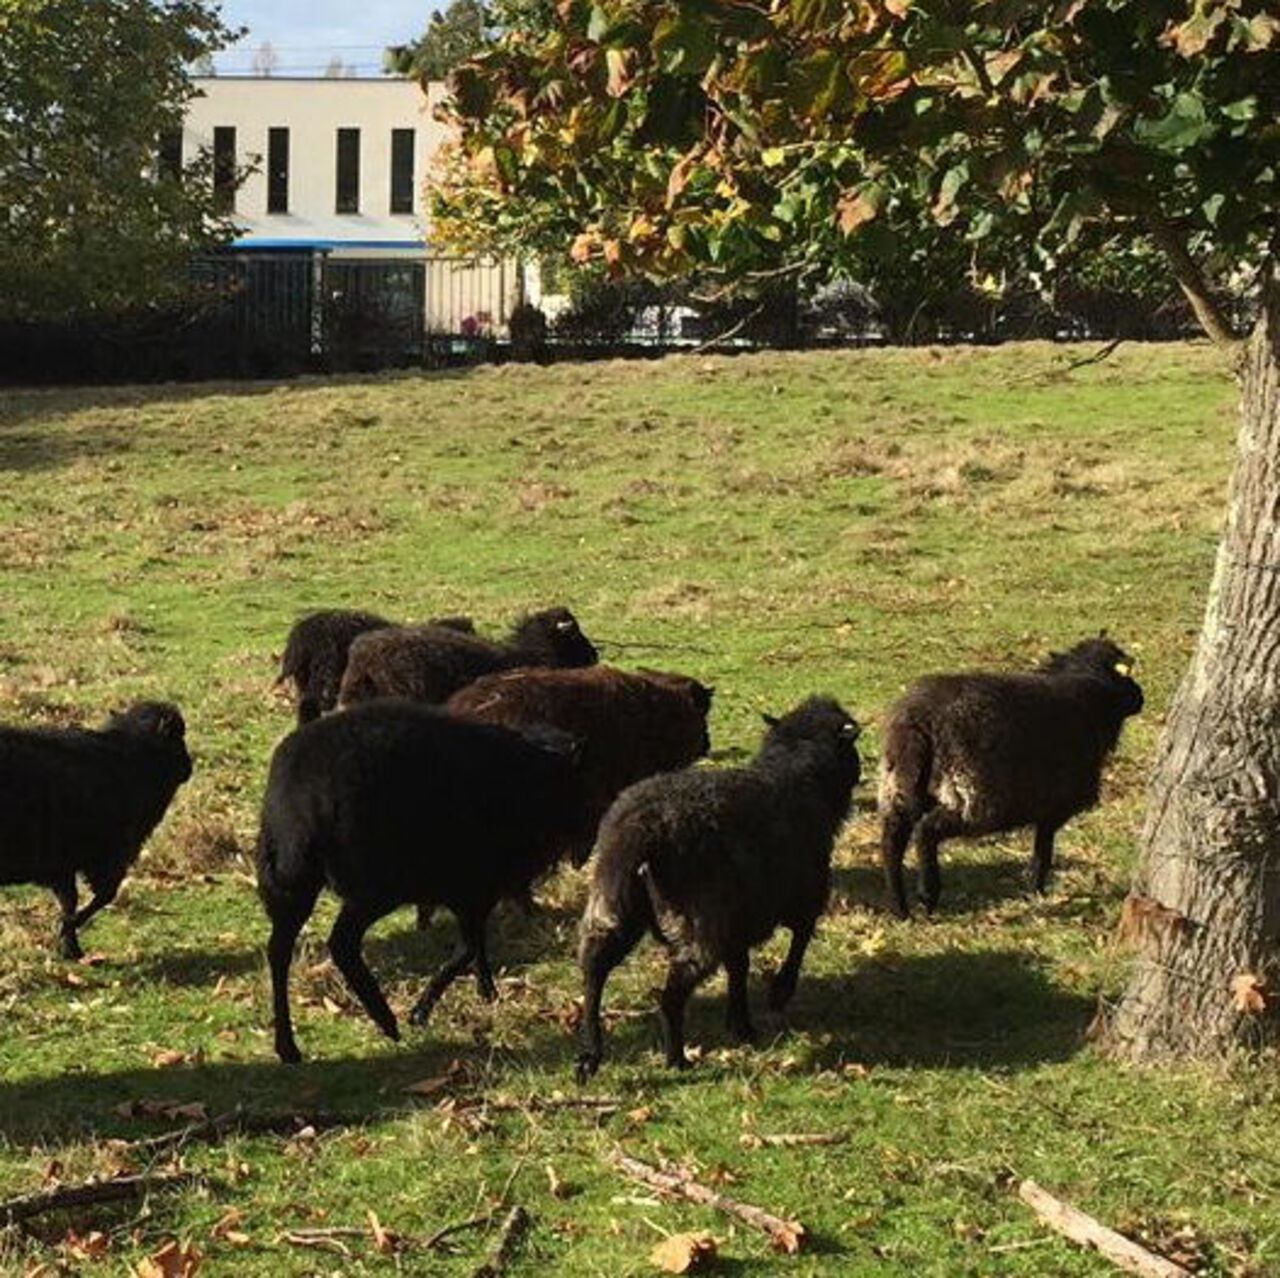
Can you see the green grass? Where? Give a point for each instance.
(775, 525)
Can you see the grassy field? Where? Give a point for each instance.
(775, 525)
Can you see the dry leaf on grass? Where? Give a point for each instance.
(88, 1246)
(173, 1260)
(172, 1056)
(226, 1230)
(1249, 993)
(557, 1186)
(685, 1254)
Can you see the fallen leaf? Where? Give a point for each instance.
(789, 1237)
(1249, 993)
(641, 1114)
(685, 1253)
(173, 1260)
(558, 1188)
(88, 1247)
(228, 1222)
(170, 1056)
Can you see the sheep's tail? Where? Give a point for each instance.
(906, 768)
(644, 873)
(623, 897)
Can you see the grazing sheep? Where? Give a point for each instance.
(315, 654)
(393, 803)
(630, 725)
(978, 753)
(85, 801)
(428, 663)
(712, 861)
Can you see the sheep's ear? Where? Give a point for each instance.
(769, 719)
(1102, 634)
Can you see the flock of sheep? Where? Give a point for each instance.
(434, 767)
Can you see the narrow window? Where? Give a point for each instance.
(224, 169)
(348, 171)
(169, 155)
(402, 141)
(277, 170)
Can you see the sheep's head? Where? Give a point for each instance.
(555, 633)
(1101, 659)
(820, 722)
(157, 719)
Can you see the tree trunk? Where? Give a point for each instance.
(1205, 907)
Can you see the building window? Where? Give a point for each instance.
(169, 155)
(348, 171)
(224, 169)
(277, 170)
(402, 141)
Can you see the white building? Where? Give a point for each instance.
(340, 167)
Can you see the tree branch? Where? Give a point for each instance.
(1213, 319)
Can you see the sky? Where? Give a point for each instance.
(307, 33)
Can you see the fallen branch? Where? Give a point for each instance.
(786, 1235)
(729, 332)
(239, 1120)
(786, 1140)
(90, 1193)
(513, 1229)
(323, 1239)
(1072, 1223)
(537, 1104)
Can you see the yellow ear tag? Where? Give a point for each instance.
(1123, 668)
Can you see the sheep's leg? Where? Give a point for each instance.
(103, 895)
(286, 923)
(344, 945)
(895, 835)
(935, 825)
(783, 985)
(683, 977)
(602, 951)
(68, 942)
(737, 965)
(470, 951)
(1042, 857)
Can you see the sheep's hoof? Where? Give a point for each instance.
(69, 948)
(421, 1013)
(679, 1062)
(288, 1053)
(588, 1065)
(391, 1030)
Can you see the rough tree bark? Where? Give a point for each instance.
(1211, 846)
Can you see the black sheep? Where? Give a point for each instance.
(630, 724)
(980, 753)
(315, 654)
(85, 801)
(393, 803)
(712, 862)
(429, 663)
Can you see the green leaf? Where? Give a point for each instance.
(684, 42)
(1185, 125)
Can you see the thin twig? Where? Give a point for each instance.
(729, 332)
(92, 1192)
(1097, 358)
(456, 1228)
(756, 1140)
(786, 1235)
(513, 1229)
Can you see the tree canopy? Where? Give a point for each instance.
(745, 136)
(90, 221)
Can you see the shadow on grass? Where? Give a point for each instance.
(28, 450)
(938, 1011)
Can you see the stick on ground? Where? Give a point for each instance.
(786, 1235)
(1072, 1223)
(513, 1229)
(119, 1189)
